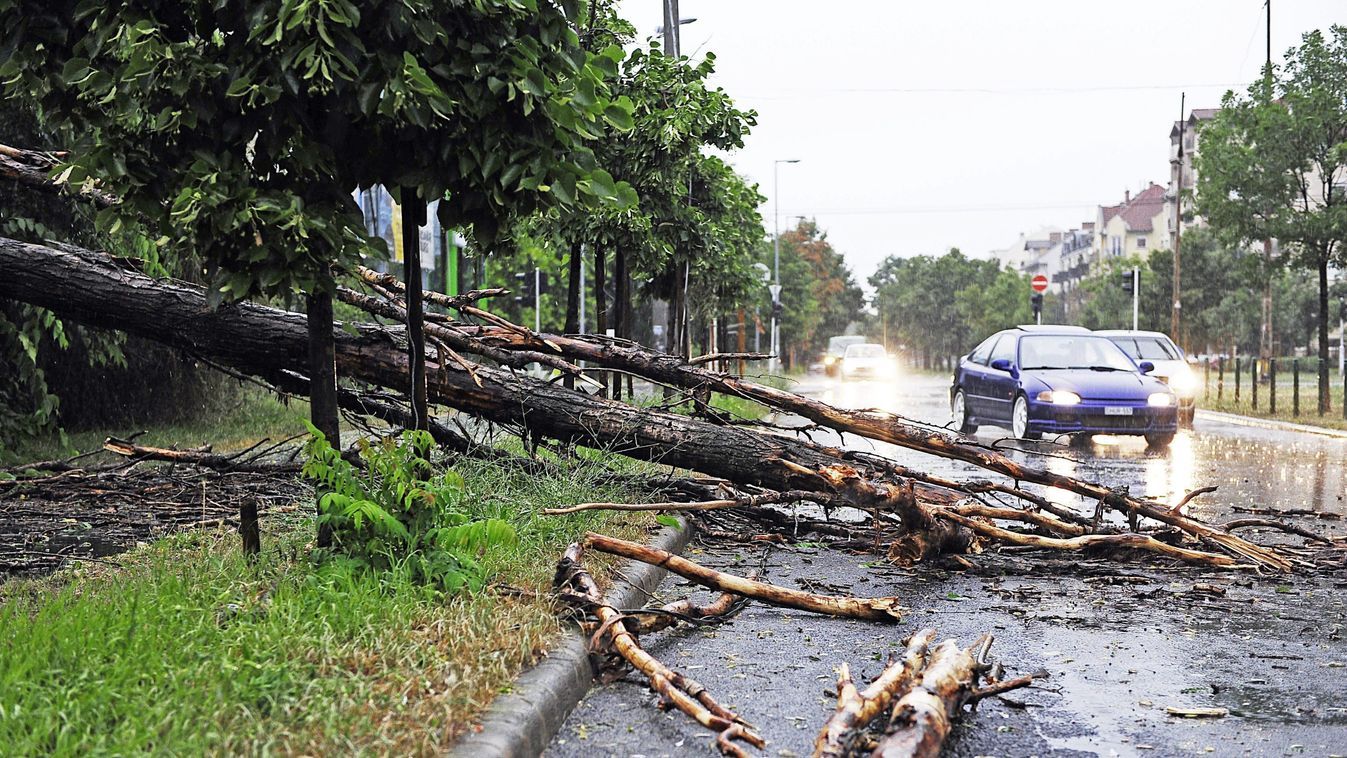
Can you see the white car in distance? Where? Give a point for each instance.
(866, 360)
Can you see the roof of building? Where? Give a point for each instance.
(1139, 212)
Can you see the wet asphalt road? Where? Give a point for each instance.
(1120, 641)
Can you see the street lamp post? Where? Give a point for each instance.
(776, 257)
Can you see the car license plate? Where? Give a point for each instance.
(1117, 410)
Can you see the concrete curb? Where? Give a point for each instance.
(523, 722)
(1263, 423)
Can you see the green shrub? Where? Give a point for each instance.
(398, 515)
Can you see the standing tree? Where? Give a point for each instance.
(1273, 165)
(240, 128)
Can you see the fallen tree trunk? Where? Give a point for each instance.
(92, 289)
(99, 291)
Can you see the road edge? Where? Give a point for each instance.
(1264, 423)
(523, 721)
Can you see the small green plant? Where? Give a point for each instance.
(399, 515)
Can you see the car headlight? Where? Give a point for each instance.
(1184, 383)
(829, 360)
(1059, 397)
(1160, 399)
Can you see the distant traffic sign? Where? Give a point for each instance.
(1039, 283)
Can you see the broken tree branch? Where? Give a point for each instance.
(855, 710)
(576, 585)
(705, 505)
(873, 609)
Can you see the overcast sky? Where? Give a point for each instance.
(921, 126)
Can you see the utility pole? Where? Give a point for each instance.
(1175, 322)
(776, 258)
(1136, 295)
(1265, 341)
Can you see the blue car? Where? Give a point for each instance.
(1038, 380)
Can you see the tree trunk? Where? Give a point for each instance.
(573, 293)
(621, 308)
(322, 370)
(1324, 402)
(413, 216)
(600, 297)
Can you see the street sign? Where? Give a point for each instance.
(1039, 283)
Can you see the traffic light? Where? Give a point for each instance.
(1128, 282)
(524, 295)
(1036, 301)
(777, 310)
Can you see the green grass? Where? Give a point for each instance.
(188, 649)
(236, 420)
(1225, 402)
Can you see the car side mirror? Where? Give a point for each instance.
(1002, 364)
(1146, 367)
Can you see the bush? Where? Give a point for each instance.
(399, 516)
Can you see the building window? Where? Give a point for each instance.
(1117, 246)
(1141, 243)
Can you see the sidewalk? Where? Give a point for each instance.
(1267, 423)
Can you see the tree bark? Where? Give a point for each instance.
(573, 293)
(413, 216)
(600, 297)
(322, 372)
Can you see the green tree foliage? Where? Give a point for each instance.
(940, 306)
(1272, 164)
(1221, 296)
(818, 291)
(239, 128)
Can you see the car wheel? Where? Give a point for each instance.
(959, 410)
(1160, 440)
(1019, 420)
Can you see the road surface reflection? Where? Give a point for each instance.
(1253, 468)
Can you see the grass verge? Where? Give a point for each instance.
(240, 418)
(189, 649)
(1215, 398)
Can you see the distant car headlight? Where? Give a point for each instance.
(1160, 399)
(1059, 397)
(1184, 383)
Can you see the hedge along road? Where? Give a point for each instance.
(1123, 643)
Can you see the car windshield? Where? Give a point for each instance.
(1148, 348)
(837, 345)
(865, 351)
(1072, 352)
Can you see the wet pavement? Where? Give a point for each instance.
(1122, 642)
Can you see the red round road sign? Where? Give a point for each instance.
(1039, 283)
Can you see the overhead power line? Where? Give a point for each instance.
(814, 92)
(896, 211)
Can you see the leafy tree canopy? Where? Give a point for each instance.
(239, 127)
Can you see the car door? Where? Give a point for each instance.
(974, 376)
(998, 395)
